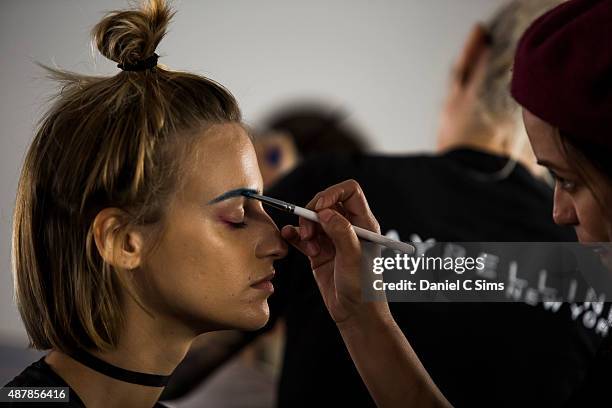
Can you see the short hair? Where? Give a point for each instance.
(315, 129)
(105, 142)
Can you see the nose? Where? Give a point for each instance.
(271, 244)
(564, 211)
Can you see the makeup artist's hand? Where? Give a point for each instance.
(394, 376)
(335, 251)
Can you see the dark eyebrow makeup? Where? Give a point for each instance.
(239, 192)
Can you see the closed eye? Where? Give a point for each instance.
(237, 225)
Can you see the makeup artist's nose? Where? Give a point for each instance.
(271, 245)
(564, 211)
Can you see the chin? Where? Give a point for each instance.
(255, 318)
(251, 325)
(250, 317)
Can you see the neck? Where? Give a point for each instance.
(480, 145)
(493, 143)
(147, 345)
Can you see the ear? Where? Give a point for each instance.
(472, 58)
(118, 243)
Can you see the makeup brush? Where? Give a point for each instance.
(312, 216)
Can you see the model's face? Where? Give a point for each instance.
(574, 203)
(212, 266)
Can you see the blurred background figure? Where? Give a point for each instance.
(300, 131)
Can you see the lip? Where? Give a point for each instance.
(264, 283)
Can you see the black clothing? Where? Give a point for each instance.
(479, 354)
(594, 391)
(40, 374)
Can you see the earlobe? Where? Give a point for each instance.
(117, 242)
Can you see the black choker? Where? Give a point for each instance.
(121, 374)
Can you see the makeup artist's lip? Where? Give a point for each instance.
(264, 283)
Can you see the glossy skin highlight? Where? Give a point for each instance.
(212, 266)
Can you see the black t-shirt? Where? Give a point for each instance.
(40, 374)
(479, 354)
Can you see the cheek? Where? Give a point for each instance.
(201, 272)
(593, 223)
(208, 257)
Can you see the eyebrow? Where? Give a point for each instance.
(238, 192)
(550, 165)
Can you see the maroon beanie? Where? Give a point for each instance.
(563, 70)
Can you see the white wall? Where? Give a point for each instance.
(386, 62)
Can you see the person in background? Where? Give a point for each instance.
(482, 185)
(299, 132)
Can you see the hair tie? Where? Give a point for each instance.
(143, 65)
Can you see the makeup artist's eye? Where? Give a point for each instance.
(563, 183)
(567, 185)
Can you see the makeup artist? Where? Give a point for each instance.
(563, 81)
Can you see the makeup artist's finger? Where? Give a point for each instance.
(327, 250)
(341, 233)
(311, 204)
(319, 250)
(291, 234)
(353, 200)
(347, 192)
(307, 228)
(335, 206)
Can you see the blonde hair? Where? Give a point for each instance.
(495, 108)
(105, 142)
(505, 28)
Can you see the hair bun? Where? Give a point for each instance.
(130, 36)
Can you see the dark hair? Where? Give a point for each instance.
(315, 129)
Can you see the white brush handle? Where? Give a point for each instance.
(362, 233)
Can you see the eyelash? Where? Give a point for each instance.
(565, 184)
(237, 225)
(241, 224)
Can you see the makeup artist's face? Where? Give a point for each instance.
(213, 264)
(574, 203)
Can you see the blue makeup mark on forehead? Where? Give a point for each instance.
(238, 192)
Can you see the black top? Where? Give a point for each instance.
(479, 354)
(40, 374)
